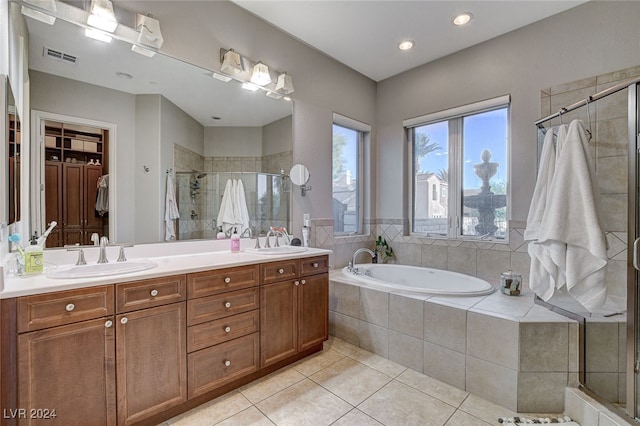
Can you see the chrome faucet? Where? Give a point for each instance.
(266, 239)
(95, 238)
(351, 267)
(104, 242)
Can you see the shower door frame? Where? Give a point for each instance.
(633, 244)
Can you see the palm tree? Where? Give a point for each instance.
(421, 147)
(443, 175)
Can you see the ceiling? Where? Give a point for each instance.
(364, 34)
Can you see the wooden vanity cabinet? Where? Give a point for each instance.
(151, 347)
(66, 358)
(293, 311)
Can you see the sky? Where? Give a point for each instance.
(486, 130)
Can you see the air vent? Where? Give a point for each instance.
(59, 56)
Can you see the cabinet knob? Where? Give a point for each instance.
(227, 305)
(315, 264)
(297, 283)
(70, 307)
(227, 329)
(227, 280)
(303, 282)
(281, 271)
(108, 324)
(154, 292)
(123, 320)
(227, 363)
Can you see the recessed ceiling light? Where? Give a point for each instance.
(462, 19)
(406, 45)
(213, 117)
(124, 75)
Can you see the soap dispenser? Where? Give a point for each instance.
(235, 241)
(33, 257)
(220, 235)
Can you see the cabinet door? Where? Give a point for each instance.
(72, 196)
(313, 320)
(53, 193)
(151, 361)
(72, 236)
(278, 321)
(69, 369)
(91, 176)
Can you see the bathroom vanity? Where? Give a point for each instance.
(143, 347)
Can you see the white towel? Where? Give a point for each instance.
(226, 214)
(242, 212)
(570, 229)
(170, 210)
(544, 274)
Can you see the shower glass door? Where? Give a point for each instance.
(633, 273)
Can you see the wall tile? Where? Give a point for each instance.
(611, 173)
(612, 106)
(541, 392)
(615, 218)
(344, 298)
(585, 83)
(601, 342)
(406, 315)
(344, 327)
(604, 384)
(445, 326)
(616, 280)
(445, 365)
(374, 306)
(612, 137)
(580, 407)
(491, 263)
(406, 350)
(493, 382)
(408, 254)
(543, 347)
(521, 263)
(434, 257)
(374, 339)
(493, 339)
(462, 259)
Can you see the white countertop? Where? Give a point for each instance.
(172, 258)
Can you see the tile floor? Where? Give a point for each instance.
(345, 385)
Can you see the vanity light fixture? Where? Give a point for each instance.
(260, 74)
(149, 34)
(97, 35)
(250, 87)
(101, 15)
(406, 45)
(462, 19)
(221, 77)
(231, 63)
(48, 5)
(284, 84)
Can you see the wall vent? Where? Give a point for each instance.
(59, 55)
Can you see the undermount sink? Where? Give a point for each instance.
(100, 269)
(277, 250)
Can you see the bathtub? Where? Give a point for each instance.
(415, 279)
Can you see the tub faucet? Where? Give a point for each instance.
(104, 242)
(351, 267)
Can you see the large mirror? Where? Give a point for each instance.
(14, 137)
(108, 116)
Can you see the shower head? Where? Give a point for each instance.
(198, 175)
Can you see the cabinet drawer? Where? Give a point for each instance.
(222, 305)
(213, 367)
(314, 265)
(65, 307)
(214, 332)
(279, 271)
(221, 280)
(150, 293)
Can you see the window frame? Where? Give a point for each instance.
(455, 118)
(364, 131)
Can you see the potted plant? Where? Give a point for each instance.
(383, 250)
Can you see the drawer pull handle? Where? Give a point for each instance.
(281, 271)
(303, 282)
(227, 280)
(108, 324)
(70, 307)
(315, 264)
(227, 363)
(154, 293)
(123, 320)
(227, 329)
(227, 305)
(297, 283)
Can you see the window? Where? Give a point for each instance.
(348, 143)
(462, 151)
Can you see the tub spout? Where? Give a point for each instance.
(351, 267)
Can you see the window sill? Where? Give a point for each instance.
(504, 241)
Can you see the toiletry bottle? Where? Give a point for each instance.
(306, 229)
(33, 258)
(235, 241)
(220, 235)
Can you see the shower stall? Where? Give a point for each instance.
(608, 339)
(199, 195)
